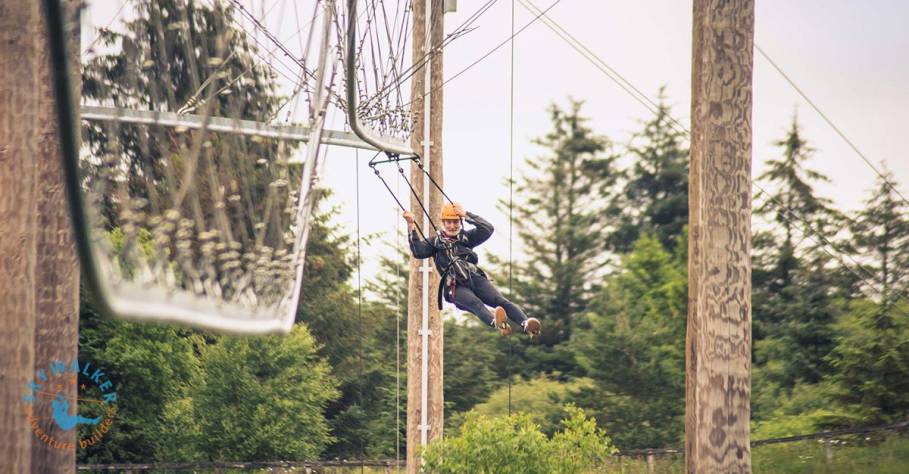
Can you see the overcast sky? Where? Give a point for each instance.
(849, 57)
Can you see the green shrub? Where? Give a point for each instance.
(543, 398)
(515, 444)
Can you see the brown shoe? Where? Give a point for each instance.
(501, 320)
(533, 327)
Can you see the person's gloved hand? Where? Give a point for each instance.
(459, 209)
(408, 216)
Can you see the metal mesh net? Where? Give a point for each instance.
(198, 201)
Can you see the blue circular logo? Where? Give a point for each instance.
(54, 384)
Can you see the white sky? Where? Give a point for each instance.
(849, 57)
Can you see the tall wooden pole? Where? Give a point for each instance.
(39, 286)
(19, 125)
(422, 312)
(56, 269)
(718, 343)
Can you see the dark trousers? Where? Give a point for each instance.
(475, 295)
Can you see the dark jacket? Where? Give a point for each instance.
(454, 256)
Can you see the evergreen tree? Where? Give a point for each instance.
(655, 195)
(794, 204)
(871, 362)
(390, 286)
(871, 357)
(880, 233)
(795, 280)
(559, 218)
(170, 54)
(173, 56)
(473, 364)
(357, 337)
(633, 347)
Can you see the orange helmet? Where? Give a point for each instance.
(449, 213)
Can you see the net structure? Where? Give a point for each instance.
(204, 126)
(197, 198)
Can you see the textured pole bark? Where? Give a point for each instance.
(415, 299)
(718, 343)
(19, 125)
(56, 268)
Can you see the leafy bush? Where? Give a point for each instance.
(515, 444)
(263, 398)
(542, 398)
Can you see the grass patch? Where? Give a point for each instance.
(854, 454)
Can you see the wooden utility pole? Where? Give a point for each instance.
(57, 266)
(718, 343)
(421, 304)
(39, 288)
(19, 126)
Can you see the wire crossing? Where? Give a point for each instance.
(830, 122)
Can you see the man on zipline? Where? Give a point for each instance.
(463, 283)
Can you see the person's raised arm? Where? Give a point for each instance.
(419, 247)
(482, 228)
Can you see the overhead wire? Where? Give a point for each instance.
(510, 190)
(594, 59)
(286, 72)
(281, 46)
(397, 337)
(588, 54)
(488, 53)
(272, 38)
(109, 24)
(807, 234)
(829, 122)
(385, 87)
(359, 274)
(426, 57)
(304, 48)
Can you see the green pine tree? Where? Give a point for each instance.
(880, 232)
(560, 220)
(475, 364)
(871, 355)
(357, 336)
(176, 56)
(796, 280)
(655, 195)
(871, 364)
(633, 347)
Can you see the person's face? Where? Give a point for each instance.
(451, 226)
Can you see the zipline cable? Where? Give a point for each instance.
(598, 62)
(830, 122)
(359, 278)
(602, 66)
(488, 53)
(510, 190)
(397, 339)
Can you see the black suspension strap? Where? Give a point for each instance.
(395, 158)
(433, 181)
(392, 158)
(417, 197)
